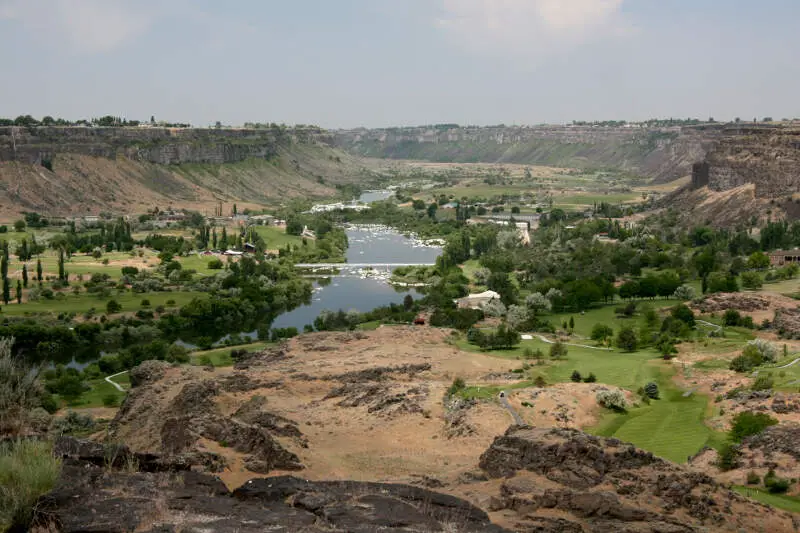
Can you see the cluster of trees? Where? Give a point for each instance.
(104, 121)
(503, 338)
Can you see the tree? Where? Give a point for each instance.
(758, 261)
(684, 314)
(6, 291)
(612, 399)
(19, 226)
(571, 323)
(751, 280)
(601, 333)
(537, 302)
(558, 350)
(19, 292)
(516, 316)
(408, 302)
(576, 377)
(113, 306)
(515, 210)
(748, 423)
(684, 292)
(25, 276)
(39, 276)
(732, 317)
(61, 271)
(591, 378)
(651, 390)
(418, 204)
(432, 208)
(627, 340)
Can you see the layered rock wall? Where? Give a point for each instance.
(165, 146)
(766, 156)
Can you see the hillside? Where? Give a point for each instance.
(664, 154)
(327, 408)
(67, 171)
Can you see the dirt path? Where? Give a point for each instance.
(548, 341)
(504, 402)
(114, 383)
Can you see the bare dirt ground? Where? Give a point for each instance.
(359, 422)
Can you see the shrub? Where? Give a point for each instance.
(601, 332)
(763, 382)
(728, 457)
(28, 470)
(215, 264)
(129, 271)
(591, 378)
(748, 423)
(457, 386)
(558, 350)
(110, 400)
(627, 340)
(576, 377)
(20, 390)
(732, 317)
(205, 360)
(540, 382)
(613, 400)
(74, 423)
(684, 292)
(113, 306)
(651, 390)
(775, 484)
(753, 478)
(145, 303)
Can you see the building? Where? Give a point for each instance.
(477, 301)
(782, 257)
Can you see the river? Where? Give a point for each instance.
(348, 290)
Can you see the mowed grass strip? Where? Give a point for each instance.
(780, 501)
(131, 302)
(672, 427)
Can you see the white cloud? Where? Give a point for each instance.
(84, 26)
(531, 28)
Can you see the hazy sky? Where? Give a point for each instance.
(343, 63)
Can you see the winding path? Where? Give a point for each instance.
(504, 402)
(548, 341)
(114, 383)
(715, 326)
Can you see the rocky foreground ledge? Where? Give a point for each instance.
(114, 490)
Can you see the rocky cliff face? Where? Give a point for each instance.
(79, 171)
(766, 156)
(163, 146)
(661, 153)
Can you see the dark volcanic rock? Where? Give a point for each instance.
(560, 480)
(147, 372)
(90, 498)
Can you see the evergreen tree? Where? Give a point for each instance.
(214, 239)
(25, 276)
(6, 291)
(223, 242)
(19, 292)
(61, 272)
(39, 270)
(4, 267)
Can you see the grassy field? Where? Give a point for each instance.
(84, 302)
(627, 370)
(780, 501)
(222, 356)
(606, 315)
(277, 238)
(590, 199)
(84, 265)
(100, 389)
(671, 427)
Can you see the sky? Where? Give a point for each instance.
(375, 63)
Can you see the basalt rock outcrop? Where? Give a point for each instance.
(664, 153)
(766, 156)
(559, 480)
(109, 499)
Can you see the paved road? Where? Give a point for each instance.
(114, 383)
(504, 402)
(548, 341)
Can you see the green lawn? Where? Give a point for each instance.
(81, 303)
(84, 265)
(590, 199)
(222, 356)
(99, 389)
(277, 238)
(606, 315)
(780, 501)
(626, 370)
(671, 427)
